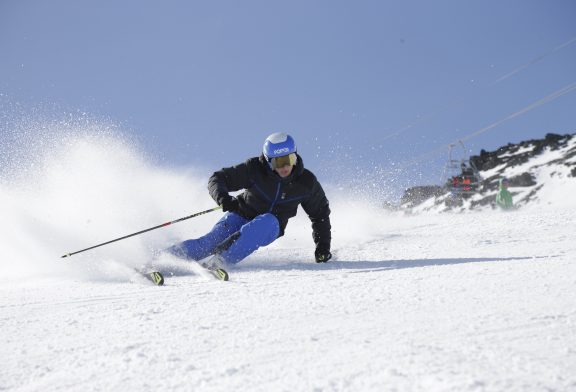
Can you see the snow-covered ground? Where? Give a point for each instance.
(477, 301)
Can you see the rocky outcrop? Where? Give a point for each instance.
(518, 154)
(418, 194)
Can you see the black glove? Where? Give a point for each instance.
(322, 255)
(229, 203)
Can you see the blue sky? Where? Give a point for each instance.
(363, 86)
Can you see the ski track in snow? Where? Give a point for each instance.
(480, 301)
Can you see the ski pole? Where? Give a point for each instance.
(144, 231)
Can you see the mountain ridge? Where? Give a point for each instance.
(530, 166)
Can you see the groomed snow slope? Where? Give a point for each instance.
(480, 301)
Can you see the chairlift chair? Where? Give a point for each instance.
(462, 178)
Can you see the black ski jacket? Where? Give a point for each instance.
(266, 192)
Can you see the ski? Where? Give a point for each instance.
(153, 276)
(157, 278)
(218, 273)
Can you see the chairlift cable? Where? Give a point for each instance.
(456, 101)
(549, 98)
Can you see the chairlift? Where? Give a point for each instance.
(460, 176)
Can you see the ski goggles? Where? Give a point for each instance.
(285, 160)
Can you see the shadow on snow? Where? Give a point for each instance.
(383, 265)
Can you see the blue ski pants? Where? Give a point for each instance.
(232, 237)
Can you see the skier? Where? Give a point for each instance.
(504, 197)
(274, 185)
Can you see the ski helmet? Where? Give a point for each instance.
(279, 150)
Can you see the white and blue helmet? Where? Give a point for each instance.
(279, 150)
